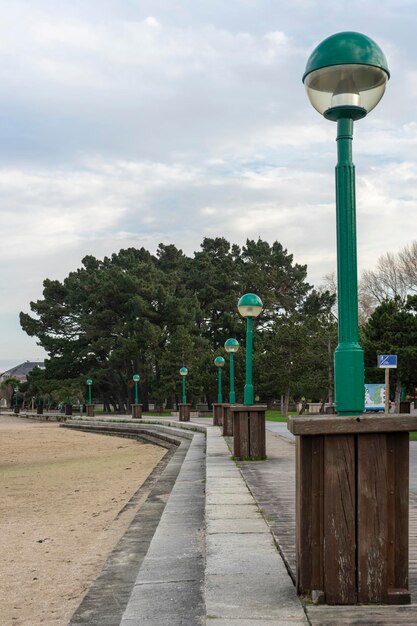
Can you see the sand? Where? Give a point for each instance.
(60, 495)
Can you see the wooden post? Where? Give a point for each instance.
(227, 420)
(249, 441)
(217, 414)
(352, 507)
(184, 412)
(136, 411)
(90, 410)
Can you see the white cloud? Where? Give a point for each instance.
(134, 123)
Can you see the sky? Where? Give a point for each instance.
(133, 123)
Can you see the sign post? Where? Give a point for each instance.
(387, 361)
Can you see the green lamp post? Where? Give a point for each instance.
(184, 373)
(219, 363)
(249, 306)
(345, 78)
(89, 382)
(231, 346)
(136, 379)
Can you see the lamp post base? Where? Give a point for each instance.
(249, 440)
(217, 414)
(352, 508)
(90, 410)
(16, 410)
(39, 409)
(136, 411)
(68, 409)
(184, 412)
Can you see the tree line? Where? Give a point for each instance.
(137, 312)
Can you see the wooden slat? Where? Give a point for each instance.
(398, 513)
(309, 515)
(372, 518)
(257, 445)
(317, 514)
(321, 425)
(217, 414)
(240, 435)
(227, 421)
(339, 519)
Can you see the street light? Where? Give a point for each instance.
(136, 379)
(345, 78)
(249, 306)
(219, 363)
(89, 382)
(184, 373)
(231, 346)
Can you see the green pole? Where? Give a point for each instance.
(232, 397)
(184, 397)
(248, 391)
(219, 385)
(136, 394)
(348, 357)
(89, 394)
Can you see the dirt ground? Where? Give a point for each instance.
(60, 495)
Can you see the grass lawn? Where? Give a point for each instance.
(276, 416)
(413, 436)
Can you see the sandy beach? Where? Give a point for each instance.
(61, 493)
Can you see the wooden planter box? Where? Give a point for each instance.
(136, 411)
(249, 440)
(184, 412)
(352, 508)
(90, 410)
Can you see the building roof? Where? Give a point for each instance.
(22, 370)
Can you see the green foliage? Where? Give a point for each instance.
(135, 312)
(392, 329)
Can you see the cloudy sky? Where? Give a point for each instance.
(134, 122)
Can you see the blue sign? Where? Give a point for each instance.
(387, 360)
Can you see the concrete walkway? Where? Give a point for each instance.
(246, 582)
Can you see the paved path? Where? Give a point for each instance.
(272, 482)
(246, 581)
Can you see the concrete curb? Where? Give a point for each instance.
(168, 590)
